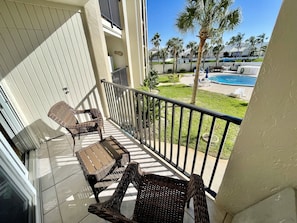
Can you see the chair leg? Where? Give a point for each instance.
(73, 137)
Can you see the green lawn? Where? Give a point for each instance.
(206, 99)
(169, 78)
(213, 101)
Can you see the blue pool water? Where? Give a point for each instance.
(232, 79)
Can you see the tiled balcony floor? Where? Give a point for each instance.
(66, 194)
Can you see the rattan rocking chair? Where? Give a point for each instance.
(65, 115)
(159, 198)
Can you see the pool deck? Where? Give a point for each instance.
(218, 88)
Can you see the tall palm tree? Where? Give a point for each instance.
(192, 45)
(163, 55)
(237, 41)
(211, 16)
(260, 39)
(156, 42)
(174, 46)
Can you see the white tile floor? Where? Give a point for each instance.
(66, 194)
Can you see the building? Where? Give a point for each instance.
(61, 50)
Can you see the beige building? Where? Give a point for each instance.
(60, 50)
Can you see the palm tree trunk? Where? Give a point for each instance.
(217, 59)
(195, 86)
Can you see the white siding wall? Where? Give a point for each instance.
(43, 50)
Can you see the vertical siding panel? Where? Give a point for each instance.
(8, 62)
(37, 59)
(85, 56)
(80, 73)
(44, 49)
(64, 55)
(74, 70)
(51, 55)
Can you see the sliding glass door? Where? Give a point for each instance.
(17, 195)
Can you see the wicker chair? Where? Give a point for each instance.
(159, 198)
(64, 115)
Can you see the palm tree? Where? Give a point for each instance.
(163, 55)
(237, 41)
(216, 52)
(156, 42)
(260, 39)
(193, 48)
(212, 16)
(174, 46)
(252, 41)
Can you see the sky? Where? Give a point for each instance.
(258, 17)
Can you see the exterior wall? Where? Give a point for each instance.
(263, 161)
(133, 35)
(43, 50)
(117, 50)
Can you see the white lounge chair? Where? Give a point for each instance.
(204, 82)
(238, 93)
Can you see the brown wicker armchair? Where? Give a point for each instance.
(64, 115)
(159, 198)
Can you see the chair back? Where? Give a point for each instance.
(63, 114)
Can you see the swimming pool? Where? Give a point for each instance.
(234, 79)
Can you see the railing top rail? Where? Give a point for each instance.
(229, 118)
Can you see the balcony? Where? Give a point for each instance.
(66, 194)
(139, 126)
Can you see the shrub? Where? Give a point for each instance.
(152, 80)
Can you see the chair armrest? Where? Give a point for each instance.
(81, 111)
(93, 112)
(197, 191)
(82, 125)
(110, 209)
(108, 213)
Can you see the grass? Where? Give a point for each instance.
(210, 100)
(169, 78)
(206, 99)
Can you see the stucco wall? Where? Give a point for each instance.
(264, 159)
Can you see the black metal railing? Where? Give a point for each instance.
(190, 138)
(110, 11)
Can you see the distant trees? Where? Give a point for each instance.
(212, 16)
(175, 47)
(193, 46)
(163, 55)
(252, 41)
(156, 42)
(260, 39)
(237, 41)
(216, 52)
